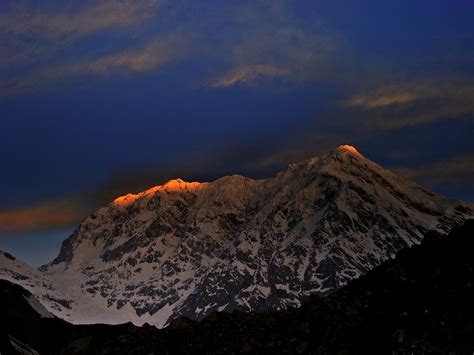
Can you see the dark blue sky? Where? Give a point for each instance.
(100, 98)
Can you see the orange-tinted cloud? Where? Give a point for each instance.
(43, 216)
(33, 37)
(152, 56)
(414, 103)
(274, 45)
(383, 100)
(249, 73)
(77, 22)
(155, 54)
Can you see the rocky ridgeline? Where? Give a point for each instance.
(189, 249)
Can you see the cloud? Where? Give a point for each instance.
(152, 56)
(383, 100)
(414, 103)
(275, 59)
(249, 73)
(33, 37)
(157, 53)
(47, 215)
(73, 22)
(456, 171)
(274, 44)
(244, 43)
(405, 93)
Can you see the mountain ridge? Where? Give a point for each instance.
(187, 249)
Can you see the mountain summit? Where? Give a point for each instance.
(187, 249)
(348, 148)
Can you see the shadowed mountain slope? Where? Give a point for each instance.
(419, 302)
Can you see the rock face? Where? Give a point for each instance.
(187, 249)
(420, 302)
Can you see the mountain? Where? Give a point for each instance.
(420, 302)
(188, 248)
(40, 285)
(26, 328)
(21, 316)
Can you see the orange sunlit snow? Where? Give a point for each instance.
(172, 185)
(349, 148)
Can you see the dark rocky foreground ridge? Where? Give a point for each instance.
(422, 301)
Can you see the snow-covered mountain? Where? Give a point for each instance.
(187, 249)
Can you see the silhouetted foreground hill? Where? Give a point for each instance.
(422, 301)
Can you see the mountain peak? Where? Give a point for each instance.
(172, 185)
(348, 148)
(179, 184)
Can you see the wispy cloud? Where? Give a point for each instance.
(414, 103)
(249, 73)
(458, 170)
(77, 22)
(258, 40)
(155, 54)
(369, 101)
(275, 45)
(34, 36)
(151, 57)
(405, 93)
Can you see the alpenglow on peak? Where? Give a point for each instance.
(348, 148)
(171, 185)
